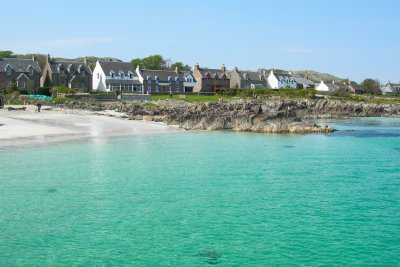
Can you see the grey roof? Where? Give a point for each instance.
(212, 72)
(161, 74)
(70, 67)
(125, 81)
(304, 81)
(283, 75)
(187, 73)
(116, 67)
(331, 86)
(250, 75)
(18, 65)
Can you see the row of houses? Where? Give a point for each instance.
(26, 74)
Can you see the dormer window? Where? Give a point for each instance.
(112, 74)
(131, 75)
(122, 74)
(82, 72)
(30, 71)
(62, 72)
(8, 69)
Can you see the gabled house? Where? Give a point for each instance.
(278, 80)
(112, 76)
(189, 81)
(76, 75)
(391, 89)
(161, 81)
(326, 87)
(247, 79)
(304, 83)
(208, 80)
(24, 73)
(354, 88)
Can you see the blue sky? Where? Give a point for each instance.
(355, 39)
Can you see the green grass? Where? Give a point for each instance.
(191, 98)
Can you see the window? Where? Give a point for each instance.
(82, 72)
(112, 75)
(22, 84)
(98, 76)
(131, 76)
(122, 75)
(62, 72)
(30, 71)
(9, 82)
(8, 69)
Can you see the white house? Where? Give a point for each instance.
(111, 76)
(281, 80)
(326, 87)
(189, 81)
(391, 89)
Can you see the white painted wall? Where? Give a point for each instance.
(273, 82)
(322, 87)
(99, 79)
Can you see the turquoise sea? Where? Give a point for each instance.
(206, 198)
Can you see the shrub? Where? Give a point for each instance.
(43, 91)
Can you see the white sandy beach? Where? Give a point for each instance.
(30, 127)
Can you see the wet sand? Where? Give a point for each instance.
(52, 125)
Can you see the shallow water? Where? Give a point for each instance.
(206, 198)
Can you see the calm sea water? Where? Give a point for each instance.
(200, 198)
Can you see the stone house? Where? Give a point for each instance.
(303, 83)
(111, 76)
(278, 80)
(208, 80)
(247, 79)
(161, 81)
(76, 75)
(24, 73)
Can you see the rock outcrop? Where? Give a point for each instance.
(273, 116)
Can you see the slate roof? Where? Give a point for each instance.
(212, 72)
(331, 86)
(125, 81)
(18, 65)
(70, 67)
(161, 74)
(117, 67)
(304, 81)
(283, 75)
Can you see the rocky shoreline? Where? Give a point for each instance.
(271, 116)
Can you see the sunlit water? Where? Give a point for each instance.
(199, 198)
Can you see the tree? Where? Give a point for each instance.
(136, 62)
(7, 54)
(154, 62)
(180, 66)
(372, 86)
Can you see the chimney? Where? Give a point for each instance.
(196, 67)
(137, 68)
(34, 57)
(85, 61)
(48, 58)
(236, 69)
(223, 68)
(176, 69)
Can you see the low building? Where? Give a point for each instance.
(161, 81)
(326, 87)
(280, 80)
(304, 83)
(354, 88)
(209, 80)
(247, 79)
(24, 73)
(391, 89)
(76, 75)
(116, 76)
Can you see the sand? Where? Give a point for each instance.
(52, 125)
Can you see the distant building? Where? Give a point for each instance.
(208, 80)
(326, 87)
(303, 83)
(247, 79)
(391, 89)
(112, 76)
(354, 88)
(161, 81)
(189, 81)
(277, 80)
(24, 73)
(76, 75)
